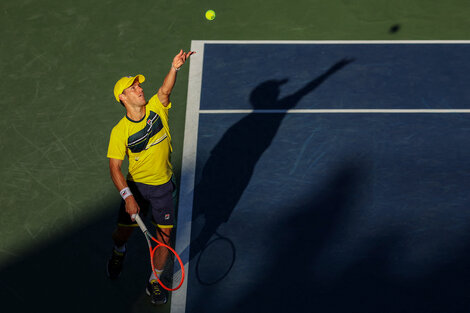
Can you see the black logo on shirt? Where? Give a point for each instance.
(138, 141)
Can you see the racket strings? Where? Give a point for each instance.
(167, 261)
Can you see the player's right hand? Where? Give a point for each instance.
(131, 206)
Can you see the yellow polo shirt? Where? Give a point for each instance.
(147, 144)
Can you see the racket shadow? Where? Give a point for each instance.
(215, 261)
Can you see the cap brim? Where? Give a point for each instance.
(128, 82)
(131, 80)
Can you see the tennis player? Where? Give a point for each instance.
(143, 135)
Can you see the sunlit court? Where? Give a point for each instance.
(326, 171)
(235, 157)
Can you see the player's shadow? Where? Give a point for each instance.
(282, 279)
(232, 161)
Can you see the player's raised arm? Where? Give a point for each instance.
(170, 79)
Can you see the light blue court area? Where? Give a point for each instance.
(326, 177)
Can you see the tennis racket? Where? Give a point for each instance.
(170, 262)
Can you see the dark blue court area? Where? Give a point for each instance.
(332, 212)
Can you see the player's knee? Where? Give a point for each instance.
(122, 234)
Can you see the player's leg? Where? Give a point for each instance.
(157, 293)
(122, 233)
(120, 237)
(163, 235)
(163, 216)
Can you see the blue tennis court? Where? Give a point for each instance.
(326, 177)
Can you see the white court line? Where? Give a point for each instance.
(330, 42)
(333, 111)
(183, 236)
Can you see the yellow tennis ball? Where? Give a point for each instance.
(210, 15)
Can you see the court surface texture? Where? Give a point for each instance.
(326, 176)
(318, 176)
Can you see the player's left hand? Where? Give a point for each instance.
(181, 58)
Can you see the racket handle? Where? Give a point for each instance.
(140, 222)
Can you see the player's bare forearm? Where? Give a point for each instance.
(120, 182)
(170, 79)
(165, 90)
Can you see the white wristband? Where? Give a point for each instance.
(176, 69)
(126, 192)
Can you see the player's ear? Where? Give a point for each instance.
(122, 97)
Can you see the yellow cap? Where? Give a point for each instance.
(124, 83)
